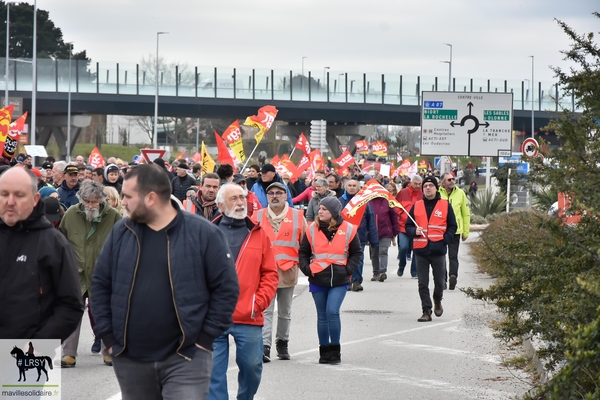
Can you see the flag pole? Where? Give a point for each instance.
(249, 157)
(290, 156)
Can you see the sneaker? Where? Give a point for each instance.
(452, 282)
(107, 360)
(382, 277)
(282, 349)
(266, 354)
(68, 362)
(375, 277)
(96, 347)
(438, 309)
(358, 287)
(400, 272)
(426, 317)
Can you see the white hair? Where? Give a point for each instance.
(221, 193)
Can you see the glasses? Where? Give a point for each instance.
(428, 185)
(275, 194)
(450, 179)
(91, 202)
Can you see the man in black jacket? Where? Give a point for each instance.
(434, 230)
(164, 287)
(182, 182)
(39, 282)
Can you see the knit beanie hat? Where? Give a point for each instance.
(110, 168)
(432, 179)
(46, 191)
(333, 205)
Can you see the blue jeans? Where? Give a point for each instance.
(328, 303)
(173, 378)
(357, 275)
(404, 248)
(248, 356)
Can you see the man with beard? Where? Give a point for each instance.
(164, 288)
(268, 175)
(86, 226)
(203, 204)
(255, 265)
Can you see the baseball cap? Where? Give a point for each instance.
(70, 169)
(276, 185)
(52, 206)
(237, 178)
(267, 168)
(47, 165)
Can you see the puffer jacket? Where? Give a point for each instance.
(204, 282)
(87, 238)
(257, 275)
(386, 218)
(39, 287)
(68, 197)
(313, 206)
(334, 275)
(180, 186)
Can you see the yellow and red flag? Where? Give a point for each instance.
(96, 159)
(355, 209)
(380, 148)
(14, 134)
(362, 146)
(180, 155)
(208, 164)
(224, 157)
(5, 118)
(233, 137)
(263, 121)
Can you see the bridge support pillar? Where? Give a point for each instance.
(57, 126)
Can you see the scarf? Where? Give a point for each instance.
(208, 208)
(276, 220)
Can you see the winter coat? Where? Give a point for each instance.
(39, 288)
(67, 196)
(433, 248)
(180, 186)
(460, 206)
(204, 282)
(313, 206)
(407, 197)
(261, 195)
(87, 238)
(385, 217)
(334, 275)
(367, 230)
(257, 275)
(305, 196)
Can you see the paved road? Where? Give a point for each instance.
(386, 353)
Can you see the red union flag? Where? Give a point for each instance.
(275, 160)
(362, 146)
(14, 134)
(303, 144)
(344, 160)
(96, 160)
(287, 166)
(380, 148)
(263, 121)
(303, 164)
(355, 209)
(233, 137)
(316, 160)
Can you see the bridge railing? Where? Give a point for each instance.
(265, 84)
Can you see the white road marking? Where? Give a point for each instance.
(447, 351)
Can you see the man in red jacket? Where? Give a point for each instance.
(407, 197)
(257, 274)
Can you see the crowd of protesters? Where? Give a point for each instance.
(121, 226)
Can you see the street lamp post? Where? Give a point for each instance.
(325, 76)
(34, 78)
(449, 68)
(69, 107)
(155, 134)
(532, 95)
(303, 57)
(7, 53)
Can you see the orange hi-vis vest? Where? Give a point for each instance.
(286, 243)
(435, 227)
(189, 206)
(324, 252)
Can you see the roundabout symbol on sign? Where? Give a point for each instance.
(530, 147)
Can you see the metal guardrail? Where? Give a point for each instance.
(263, 84)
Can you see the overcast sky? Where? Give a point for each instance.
(491, 39)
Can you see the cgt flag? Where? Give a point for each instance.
(263, 121)
(96, 160)
(362, 146)
(12, 140)
(303, 144)
(380, 148)
(355, 209)
(233, 137)
(5, 118)
(344, 160)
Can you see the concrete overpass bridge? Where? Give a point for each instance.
(346, 100)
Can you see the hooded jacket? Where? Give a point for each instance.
(257, 275)
(462, 213)
(87, 238)
(261, 195)
(68, 197)
(39, 287)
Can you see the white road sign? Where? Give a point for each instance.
(466, 124)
